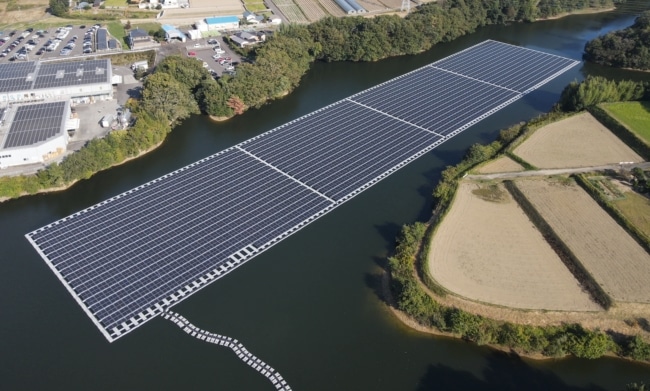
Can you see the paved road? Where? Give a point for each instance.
(558, 171)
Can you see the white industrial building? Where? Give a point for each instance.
(35, 101)
(219, 23)
(34, 132)
(81, 81)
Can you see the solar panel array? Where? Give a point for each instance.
(59, 74)
(101, 39)
(36, 123)
(35, 75)
(127, 259)
(15, 76)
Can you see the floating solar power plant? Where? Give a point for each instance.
(35, 123)
(131, 257)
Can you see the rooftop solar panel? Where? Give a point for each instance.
(127, 259)
(35, 123)
(58, 74)
(17, 76)
(27, 76)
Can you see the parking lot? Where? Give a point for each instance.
(50, 44)
(218, 62)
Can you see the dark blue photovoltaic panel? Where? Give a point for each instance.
(165, 235)
(339, 149)
(101, 39)
(127, 259)
(35, 123)
(431, 97)
(506, 65)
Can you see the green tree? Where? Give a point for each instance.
(164, 94)
(59, 7)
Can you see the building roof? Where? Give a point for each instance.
(138, 33)
(222, 19)
(35, 123)
(34, 75)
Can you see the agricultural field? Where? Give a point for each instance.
(372, 5)
(17, 11)
(292, 12)
(397, 4)
(577, 141)
(636, 208)
(634, 115)
(255, 6)
(486, 249)
(502, 164)
(311, 9)
(331, 7)
(614, 259)
(115, 3)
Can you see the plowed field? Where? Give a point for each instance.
(615, 260)
(502, 164)
(577, 141)
(489, 251)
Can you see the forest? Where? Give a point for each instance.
(627, 48)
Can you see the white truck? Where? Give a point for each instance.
(142, 65)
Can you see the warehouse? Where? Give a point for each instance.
(222, 23)
(34, 133)
(80, 81)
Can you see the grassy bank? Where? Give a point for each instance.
(634, 115)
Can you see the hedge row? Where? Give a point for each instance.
(567, 256)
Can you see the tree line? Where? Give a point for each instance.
(627, 48)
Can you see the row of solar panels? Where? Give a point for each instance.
(130, 257)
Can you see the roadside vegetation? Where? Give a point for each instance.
(627, 48)
(408, 266)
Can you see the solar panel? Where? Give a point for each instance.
(127, 259)
(35, 123)
(102, 39)
(33, 75)
(16, 76)
(59, 74)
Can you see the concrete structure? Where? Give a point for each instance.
(222, 22)
(81, 81)
(34, 133)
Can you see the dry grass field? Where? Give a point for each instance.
(614, 259)
(502, 164)
(489, 251)
(332, 7)
(577, 141)
(312, 9)
(19, 11)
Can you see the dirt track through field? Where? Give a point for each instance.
(577, 141)
(489, 251)
(616, 261)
